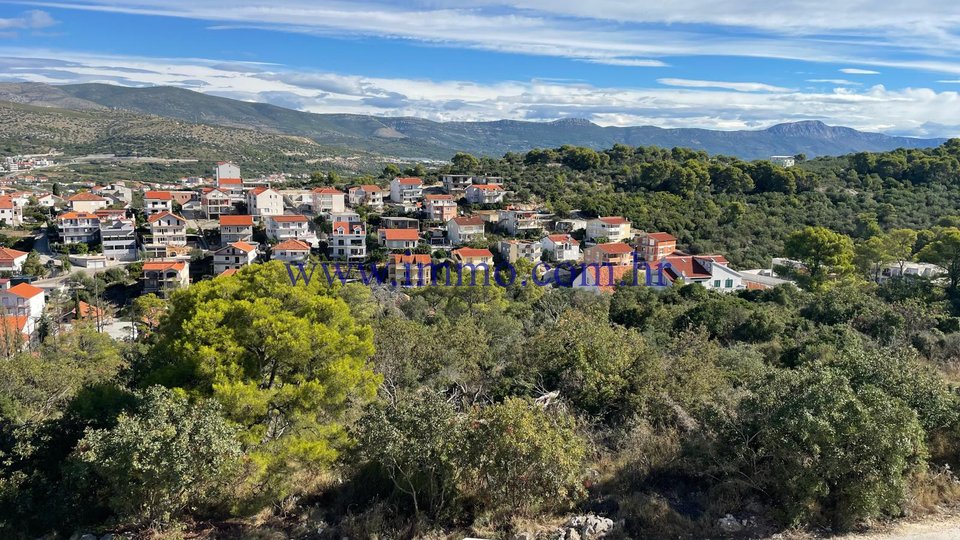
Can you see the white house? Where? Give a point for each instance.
(516, 221)
(233, 257)
(263, 202)
(461, 230)
(513, 250)
(394, 239)
(290, 251)
(87, 202)
(236, 229)
(215, 202)
(167, 229)
(119, 239)
(226, 169)
(484, 193)
(78, 227)
(49, 200)
(366, 194)
(561, 247)
(289, 227)
(23, 300)
(348, 241)
(613, 228)
(10, 213)
(711, 271)
(783, 161)
(328, 199)
(11, 260)
(155, 202)
(163, 276)
(407, 191)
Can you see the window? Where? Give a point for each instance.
(716, 283)
(728, 284)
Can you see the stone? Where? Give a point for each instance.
(729, 524)
(572, 534)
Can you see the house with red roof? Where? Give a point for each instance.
(348, 240)
(236, 229)
(263, 202)
(11, 214)
(290, 251)
(161, 276)
(473, 256)
(414, 270)
(328, 199)
(465, 229)
(613, 229)
(166, 230)
(87, 202)
(406, 190)
(155, 202)
(78, 227)
(233, 256)
(711, 271)
(440, 207)
(398, 238)
(215, 202)
(615, 253)
(23, 300)
(561, 247)
(656, 245)
(290, 226)
(484, 193)
(11, 260)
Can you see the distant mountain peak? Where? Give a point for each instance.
(573, 122)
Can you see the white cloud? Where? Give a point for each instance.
(916, 111)
(918, 34)
(858, 71)
(841, 82)
(28, 20)
(738, 86)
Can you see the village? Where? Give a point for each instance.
(169, 235)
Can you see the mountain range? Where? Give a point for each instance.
(418, 138)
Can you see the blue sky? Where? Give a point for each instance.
(889, 66)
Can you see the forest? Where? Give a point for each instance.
(250, 405)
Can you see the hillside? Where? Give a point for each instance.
(33, 129)
(419, 138)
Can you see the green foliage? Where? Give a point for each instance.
(821, 250)
(167, 456)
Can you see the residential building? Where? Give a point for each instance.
(163, 276)
(512, 250)
(783, 161)
(456, 184)
(11, 260)
(406, 191)
(87, 202)
(348, 241)
(615, 253)
(440, 208)
(398, 239)
(155, 202)
(289, 227)
(215, 202)
(711, 271)
(608, 229)
(23, 300)
(366, 194)
(233, 256)
(233, 187)
(347, 216)
(78, 227)
(413, 270)
(290, 251)
(464, 229)
(399, 222)
(516, 222)
(599, 278)
(119, 239)
(328, 199)
(118, 192)
(472, 256)
(167, 229)
(561, 247)
(17, 333)
(655, 246)
(910, 270)
(226, 169)
(235, 229)
(485, 194)
(263, 202)
(49, 200)
(11, 215)
(569, 225)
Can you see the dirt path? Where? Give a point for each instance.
(935, 527)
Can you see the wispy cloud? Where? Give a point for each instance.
(706, 104)
(858, 71)
(737, 86)
(920, 34)
(840, 82)
(29, 20)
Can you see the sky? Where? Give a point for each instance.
(890, 66)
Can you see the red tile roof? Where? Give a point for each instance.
(327, 191)
(158, 195)
(25, 290)
(412, 259)
(487, 187)
(400, 234)
(236, 221)
(614, 248)
(162, 266)
(243, 246)
(17, 323)
(292, 245)
(86, 196)
(229, 182)
(78, 215)
(370, 188)
(464, 253)
(468, 220)
(662, 237)
(160, 215)
(7, 254)
(410, 181)
(439, 197)
(290, 218)
(348, 227)
(229, 272)
(604, 278)
(614, 220)
(559, 238)
(6, 202)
